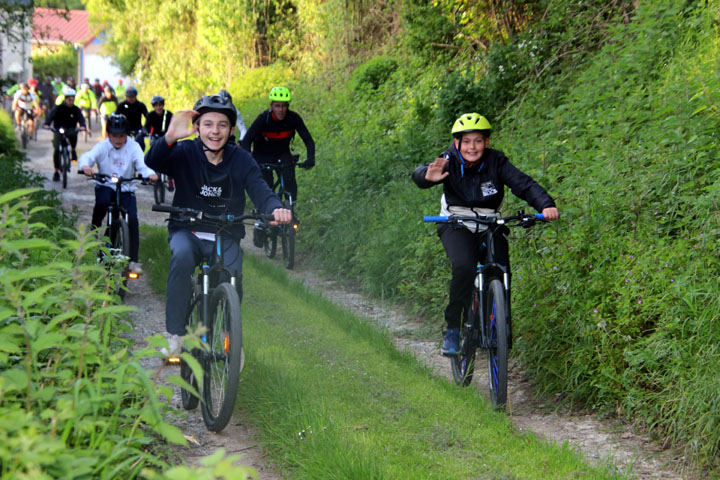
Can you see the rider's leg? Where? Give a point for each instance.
(268, 176)
(186, 252)
(56, 151)
(31, 126)
(129, 203)
(233, 261)
(103, 197)
(72, 138)
(18, 120)
(290, 182)
(462, 248)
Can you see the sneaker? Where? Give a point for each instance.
(451, 342)
(56, 177)
(174, 345)
(171, 185)
(135, 267)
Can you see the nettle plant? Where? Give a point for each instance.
(75, 401)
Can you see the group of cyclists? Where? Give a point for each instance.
(214, 170)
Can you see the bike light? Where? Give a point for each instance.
(226, 344)
(133, 275)
(295, 226)
(174, 360)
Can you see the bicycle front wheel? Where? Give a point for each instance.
(288, 245)
(190, 401)
(159, 190)
(270, 243)
(65, 166)
(120, 250)
(25, 136)
(463, 364)
(497, 335)
(223, 361)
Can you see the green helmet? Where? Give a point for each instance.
(470, 122)
(279, 94)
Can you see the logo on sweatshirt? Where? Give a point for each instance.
(210, 191)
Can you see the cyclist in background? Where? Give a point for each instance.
(473, 177)
(25, 101)
(212, 175)
(107, 106)
(97, 89)
(270, 136)
(135, 111)
(157, 123)
(48, 92)
(116, 156)
(120, 90)
(66, 116)
(85, 100)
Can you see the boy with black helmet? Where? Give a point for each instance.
(116, 156)
(474, 177)
(136, 112)
(211, 175)
(68, 116)
(270, 135)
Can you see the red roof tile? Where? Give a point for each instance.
(52, 25)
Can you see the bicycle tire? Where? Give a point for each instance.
(289, 246)
(65, 167)
(497, 351)
(270, 243)
(223, 362)
(190, 401)
(159, 190)
(24, 135)
(120, 243)
(463, 364)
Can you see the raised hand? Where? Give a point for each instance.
(435, 170)
(181, 126)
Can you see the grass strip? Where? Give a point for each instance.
(333, 398)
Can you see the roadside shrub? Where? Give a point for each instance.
(373, 73)
(61, 62)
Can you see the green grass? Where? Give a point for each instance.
(332, 398)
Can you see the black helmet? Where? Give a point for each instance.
(216, 103)
(225, 93)
(131, 92)
(117, 123)
(157, 99)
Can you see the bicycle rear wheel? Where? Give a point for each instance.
(190, 401)
(497, 335)
(159, 190)
(463, 364)
(120, 250)
(222, 363)
(25, 135)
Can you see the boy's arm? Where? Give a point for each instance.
(260, 193)
(309, 142)
(525, 187)
(138, 160)
(431, 174)
(91, 157)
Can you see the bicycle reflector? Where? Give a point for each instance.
(174, 360)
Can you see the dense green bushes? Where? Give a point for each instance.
(614, 304)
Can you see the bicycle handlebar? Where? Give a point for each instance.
(190, 215)
(523, 218)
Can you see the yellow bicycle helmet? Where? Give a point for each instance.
(471, 122)
(279, 94)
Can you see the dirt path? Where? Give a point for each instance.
(634, 455)
(149, 319)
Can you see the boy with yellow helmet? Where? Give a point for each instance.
(474, 177)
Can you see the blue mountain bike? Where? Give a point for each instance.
(487, 323)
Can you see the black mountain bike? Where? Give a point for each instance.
(25, 117)
(216, 306)
(64, 149)
(286, 233)
(117, 232)
(487, 322)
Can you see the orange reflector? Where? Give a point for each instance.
(174, 360)
(133, 275)
(226, 345)
(296, 226)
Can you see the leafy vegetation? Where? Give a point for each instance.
(75, 401)
(610, 105)
(59, 63)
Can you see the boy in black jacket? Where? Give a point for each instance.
(474, 178)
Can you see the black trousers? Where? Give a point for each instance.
(72, 140)
(465, 249)
(289, 178)
(103, 198)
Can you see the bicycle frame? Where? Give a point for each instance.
(279, 184)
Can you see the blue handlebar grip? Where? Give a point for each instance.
(435, 219)
(540, 216)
